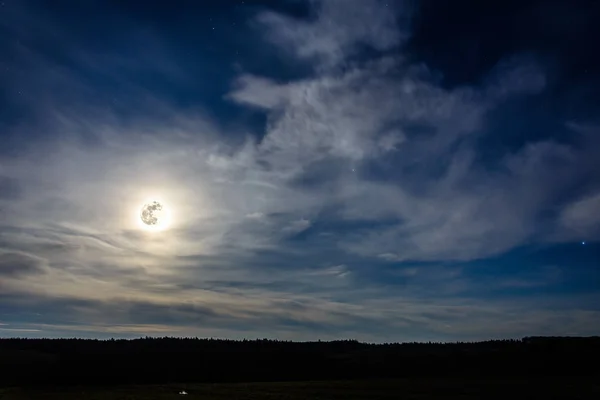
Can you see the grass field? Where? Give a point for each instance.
(552, 387)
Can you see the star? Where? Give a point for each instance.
(582, 242)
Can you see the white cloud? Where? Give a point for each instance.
(255, 215)
(297, 226)
(582, 217)
(339, 271)
(338, 29)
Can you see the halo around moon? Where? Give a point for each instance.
(154, 215)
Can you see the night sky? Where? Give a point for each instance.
(327, 169)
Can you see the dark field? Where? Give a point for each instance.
(538, 388)
(150, 368)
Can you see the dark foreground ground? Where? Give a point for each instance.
(439, 388)
(150, 368)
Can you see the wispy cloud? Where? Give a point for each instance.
(335, 33)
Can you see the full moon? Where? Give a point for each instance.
(154, 215)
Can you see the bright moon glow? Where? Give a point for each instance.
(154, 216)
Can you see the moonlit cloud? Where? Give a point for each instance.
(334, 33)
(360, 208)
(581, 216)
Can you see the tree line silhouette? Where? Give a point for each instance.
(169, 360)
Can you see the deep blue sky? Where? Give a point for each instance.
(378, 170)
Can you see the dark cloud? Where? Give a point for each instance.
(10, 189)
(13, 264)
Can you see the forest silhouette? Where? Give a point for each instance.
(168, 360)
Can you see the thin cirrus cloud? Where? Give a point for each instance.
(346, 216)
